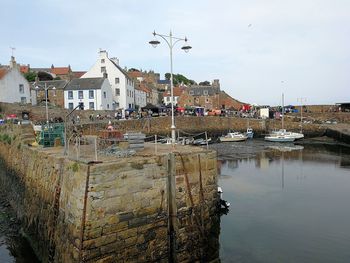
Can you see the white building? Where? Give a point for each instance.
(13, 86)
(140, 98)
(94, 93)
(122, 85)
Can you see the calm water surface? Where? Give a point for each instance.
(288, 204)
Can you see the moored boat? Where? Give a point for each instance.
(250, 133)
(282, 135)
(234, 137)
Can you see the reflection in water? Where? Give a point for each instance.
(276, 215)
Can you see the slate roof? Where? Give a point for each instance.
(40, 69)
(164, 81)
(122, 70)
(58, 84)
(85, 84)
(197, 90)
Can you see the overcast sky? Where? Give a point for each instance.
(257, 48)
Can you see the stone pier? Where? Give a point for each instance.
(152, 207)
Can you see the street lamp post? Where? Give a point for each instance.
(171, 44)
(46, 88)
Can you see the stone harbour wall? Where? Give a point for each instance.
(112, 211)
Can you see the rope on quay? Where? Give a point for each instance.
(192, 134)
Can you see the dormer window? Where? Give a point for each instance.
(205, 92)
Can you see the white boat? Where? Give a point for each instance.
(296, 135)
(250, 133)
(282, 135)
(234, 137)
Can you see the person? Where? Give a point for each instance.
(110, 126)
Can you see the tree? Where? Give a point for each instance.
(30, 76)
(42, 75)
(204, 83)
(179, 79)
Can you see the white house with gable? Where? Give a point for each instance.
(13, 86)
(122, 85)
(92, 93)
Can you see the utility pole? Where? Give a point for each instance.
(301, 100)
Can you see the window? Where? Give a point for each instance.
(117, 92)
(102, 60)
(207, 100)
(21, 88)
(23, 100)
(81, 94)
(205, 92)
(104, 95)
(70, 105)
(91, 94)
(191, 92)
(103, 69)
(91, 106)
(70, 94)
(116, 80)
(108, 106)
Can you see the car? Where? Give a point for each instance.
(26, 122)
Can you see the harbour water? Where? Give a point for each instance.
(288, 204)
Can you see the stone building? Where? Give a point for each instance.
(64, 73)
(208, 96)
(55, 96)
(147, 81)
(177, 92)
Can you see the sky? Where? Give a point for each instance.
(258, 49)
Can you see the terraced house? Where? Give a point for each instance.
(122, 86)
(13, 86)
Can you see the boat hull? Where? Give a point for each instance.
(223, 139)
(279, 139)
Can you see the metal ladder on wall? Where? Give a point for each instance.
(56, 208)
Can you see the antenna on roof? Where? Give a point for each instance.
(12, 50)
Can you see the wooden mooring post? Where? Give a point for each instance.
(172, 213)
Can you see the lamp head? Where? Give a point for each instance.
(186, 48)
(154, 43)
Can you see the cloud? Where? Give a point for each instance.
(249, 45)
